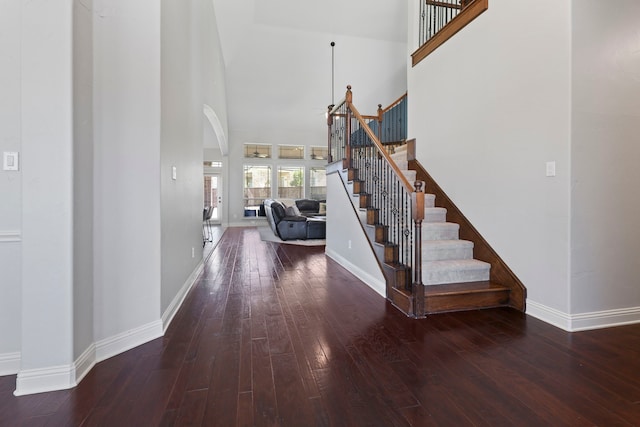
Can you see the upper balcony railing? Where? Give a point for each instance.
(440, 20)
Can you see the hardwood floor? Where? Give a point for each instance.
(280, 335)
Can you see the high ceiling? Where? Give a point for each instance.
(279, 60)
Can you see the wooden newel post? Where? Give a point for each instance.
(329, 124)
(348, 101)
(417, 288)
(380, 113)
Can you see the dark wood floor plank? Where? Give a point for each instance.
(277, 335)
(222, 401)
(264, 397)
(245, 410)
(192, 408)
(580, 386)
(279, 340)
(292, 398)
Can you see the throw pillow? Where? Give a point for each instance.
(323, 208)
(291, 211)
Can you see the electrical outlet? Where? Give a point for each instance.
(193, 252)
(349, 244)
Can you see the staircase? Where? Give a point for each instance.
(440, 273)
(453, 279)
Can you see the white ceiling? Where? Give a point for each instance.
(278, 58)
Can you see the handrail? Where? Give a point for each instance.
(403, 179)
(393, 104)
(395, 205)
(440, 20)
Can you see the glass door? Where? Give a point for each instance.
(213, 196)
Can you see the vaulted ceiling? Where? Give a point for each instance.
(279, 60)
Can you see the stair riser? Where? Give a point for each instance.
(410, 175)
(448, 303)
(454, 276)
(449, 232)
(435, 215)
(446, 254)
(402, 164)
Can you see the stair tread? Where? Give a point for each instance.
(463, 288)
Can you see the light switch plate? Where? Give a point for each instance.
(174, 173)
(10, 161)
(551, 168)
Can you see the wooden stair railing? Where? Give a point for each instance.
(440, 20)
(393, 206)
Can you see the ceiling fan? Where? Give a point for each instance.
(315, 156)
(257, 154)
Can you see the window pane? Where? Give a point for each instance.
(257, 151)
(290, 182)
(257, 185)
(318, 183)
(291, 151)
(319, 153)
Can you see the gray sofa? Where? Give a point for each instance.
(288, 224)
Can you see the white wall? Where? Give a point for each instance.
(82, 176)
(605, 152)
(215, 138)
(47, 198)
(488, 109)
(10, 187)
(213, 68)
(347, 243)
(127, 99)
(182, 124)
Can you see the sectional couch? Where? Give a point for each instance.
(297, 221)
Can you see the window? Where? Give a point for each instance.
(257, 151)
(257, 187)
(318, 183)
(291, 151)
(212, 164)
(319, 153)
(290, 182)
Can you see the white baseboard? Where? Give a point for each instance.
(584, 321)
(85, 362)
(9, 363)
(550, 315)
(177, 301)
(32, 381)
(605, 319)
(261, 221)
(127, 340)
(377, 285)
(63, 377)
